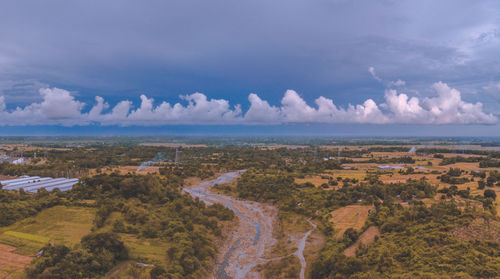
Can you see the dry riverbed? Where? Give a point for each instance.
(250, 245)
(253, 237)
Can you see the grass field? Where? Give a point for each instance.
(351, 216)
(359, 174)
(316, 180)
(146, 250)
(59, 224)
(128, 169)
(22, 240)
(366, 238)
(28, 236)
(150, 250)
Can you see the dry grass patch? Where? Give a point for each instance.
(391, 154)
(10, 262)
(316, 180)
(133, 169)
(351, 216)
(123, 170)
(359, 174)
(149, 170)
(192, 181)
(462, 166)
(366, 238)
(396, 177)
(480, 229)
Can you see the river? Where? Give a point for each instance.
(253, 237)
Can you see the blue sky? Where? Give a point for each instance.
(341, 67)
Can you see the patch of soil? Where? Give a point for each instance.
(9, 259)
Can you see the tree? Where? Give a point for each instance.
(350, 236)
(158, 272)
(490, 194)
(98, 243)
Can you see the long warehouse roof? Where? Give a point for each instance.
(30, 181)
(20, 179)
(33, 183)
(30, 184)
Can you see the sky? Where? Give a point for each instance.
(258, 67)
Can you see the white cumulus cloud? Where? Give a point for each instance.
(397, 83)
(59, 107)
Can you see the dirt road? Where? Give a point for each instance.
(300, 251)
(253, 237)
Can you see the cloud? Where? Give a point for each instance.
(59, 104)
(228, 51)
(59, 107)
(447, 108)
(261, 112)
(396, 83)
(2, 103)
(374, 75)
(493, 89)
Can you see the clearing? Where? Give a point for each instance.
(59, 224)
(10, 263)
(351, 216)
(366, 238)
(316, 180)
(479, 229)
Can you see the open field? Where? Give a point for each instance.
(28, 236)
(153, 250)
(366, 238)
(149, 250)
(479, 229)
(11, 264)
(12, 146)
(22, 240)
(128, 169)
(351, 216)
(59, 224)
(316, 180)
(358, 174)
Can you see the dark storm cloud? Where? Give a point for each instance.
(231, 48)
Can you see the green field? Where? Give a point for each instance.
(28, 236)
(148, 250)
(59, 224)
